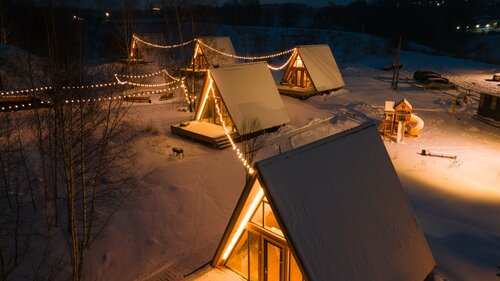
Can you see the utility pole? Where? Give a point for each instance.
(397, 67)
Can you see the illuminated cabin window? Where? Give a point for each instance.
(481, 101)
(493, 104)
(199, 60)
(238, 260)
(294, 271)
(297, 75)
(298, 62)
(210, 114)
(264, 217)
(260, 255)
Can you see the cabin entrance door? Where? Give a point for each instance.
(273, 261)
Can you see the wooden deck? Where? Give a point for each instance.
(296, 92)
(204, 132)
(215, 274)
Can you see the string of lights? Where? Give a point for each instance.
(135, 37)
(276, 68)
(163, 71)
(246, 57)
(228, 135)
(102, 85)
(214, 49)
(123, 82)
(186, 95)
(141, 76)
(99, 99)
(25, 91)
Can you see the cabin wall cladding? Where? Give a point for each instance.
(489, 106)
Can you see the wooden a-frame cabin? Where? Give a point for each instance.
(330, 210)
(203, 58)
(243, 97)
(312, 70)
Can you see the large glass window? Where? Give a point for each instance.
(261, 256)
(270, 222)
(264, 217)
(294, 273)
(238, 260)
(254, 249)
(210, 113)
(273, 259)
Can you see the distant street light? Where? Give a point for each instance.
(107, 14)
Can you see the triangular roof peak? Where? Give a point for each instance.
(320, 65)
(221, 43)
(341, 208)
(248, 92)
(403, 101)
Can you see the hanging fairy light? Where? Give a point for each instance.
(230, 139)
(282, 53)
(41, 89)
(141, 76)
(276, 68)
(246, 57)
(159, 72)
(25, 91)
(135, 37)
(170, 75)
(97, 99)
(123, 82)
(186, 95)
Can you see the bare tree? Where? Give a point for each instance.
(252, 139)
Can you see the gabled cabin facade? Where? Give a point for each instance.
(303, 216)
(489, 107)
(203, 57)
(312, 70)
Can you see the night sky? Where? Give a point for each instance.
(316, 3)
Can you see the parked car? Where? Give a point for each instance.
(419, 75)
(438, 84)
(433, 75)
(496, 77)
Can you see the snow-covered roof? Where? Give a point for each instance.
(405, 101)
(221, 43)
(249, 92)
(389, 105)
(322, 67)
(344, 212)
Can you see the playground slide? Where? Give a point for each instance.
(416, 125)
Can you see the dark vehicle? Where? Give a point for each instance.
(429, 76)
(438, 84)
(419, 75)
(496, 77)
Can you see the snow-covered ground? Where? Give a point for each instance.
(175, 224)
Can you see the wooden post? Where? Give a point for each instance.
(397, 66)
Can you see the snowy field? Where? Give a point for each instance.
(175, 224)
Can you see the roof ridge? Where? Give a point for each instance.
(314, 144)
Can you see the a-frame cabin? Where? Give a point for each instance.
(203, 57)
(312, 70)
(330, 210)
(241, 97)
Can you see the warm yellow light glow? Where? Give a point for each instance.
(298, 62)
(197, 51)
(243, 223)
(210, 84)
(162, 46)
